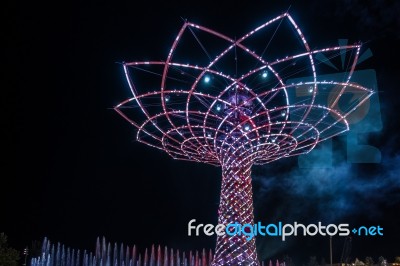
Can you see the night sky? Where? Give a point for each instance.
(73, 171)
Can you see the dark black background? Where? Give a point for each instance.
(72, 170)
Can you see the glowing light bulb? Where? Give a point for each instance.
(264, 74)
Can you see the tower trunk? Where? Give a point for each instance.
(236, 207)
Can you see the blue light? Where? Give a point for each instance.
(207, 79)
(247, 127)
(218, 107)
(264, 74)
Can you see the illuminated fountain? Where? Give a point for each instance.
(107, 254)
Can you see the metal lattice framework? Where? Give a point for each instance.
(232, 107)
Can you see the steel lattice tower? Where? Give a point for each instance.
(232, 108)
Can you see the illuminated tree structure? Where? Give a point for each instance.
(226, 102)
